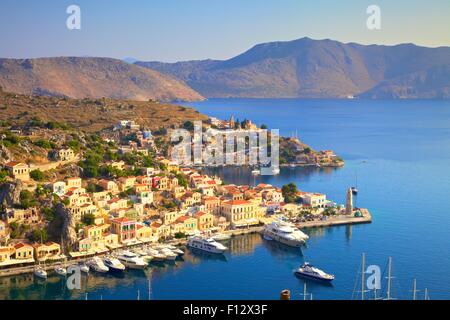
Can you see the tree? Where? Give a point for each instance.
(188, 125)
(3, 175)
(88, 219)
(289, 192)
(37, 175)
(38, 235)
(27, 199)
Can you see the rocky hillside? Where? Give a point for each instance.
(309, 68)
(90, 78)
(91, 115)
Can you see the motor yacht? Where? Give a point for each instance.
(97, 265)
(206, 244)
(113, 264)
(309, 271)
(285, 233)
(131, 260)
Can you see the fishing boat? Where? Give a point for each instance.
(309, 271)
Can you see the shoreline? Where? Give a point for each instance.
(331, 222)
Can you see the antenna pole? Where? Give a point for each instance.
(362, 275)
(389, 279)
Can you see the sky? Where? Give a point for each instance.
(177, 30)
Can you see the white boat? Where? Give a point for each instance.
(309, 271)
(206, 244)
(97, 265)
(177, 251)
(170, 255)
(131, 260)
(156, 255)
(113, 264)
(40, 273)
(83, 267)
(143, 254)
(221, 236)
(285, 233)
(61, 271)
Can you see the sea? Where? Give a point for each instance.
(397, 152)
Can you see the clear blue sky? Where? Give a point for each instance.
(172, 30)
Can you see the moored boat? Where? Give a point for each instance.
(206, 244)
(285, 233)
(61, 271)
(131, 260)
(97, 265)
(40, 273)
(113, 264)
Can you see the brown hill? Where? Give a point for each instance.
(307, 68)
(91, 115)
(90, 78)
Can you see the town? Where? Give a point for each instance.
(96, 193)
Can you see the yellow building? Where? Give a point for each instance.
(160, 230)
(205, 220)
(23, 251)
(18, 170)
(241, 212)
(190, 223)
(46, 251)
(143, 232)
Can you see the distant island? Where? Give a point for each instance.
(307, 68)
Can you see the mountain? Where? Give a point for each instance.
(309, 68)
(88, 77)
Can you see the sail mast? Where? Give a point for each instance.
(389, 279)
(362, 275)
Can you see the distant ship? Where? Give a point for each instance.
(309, 271)
(285, 233)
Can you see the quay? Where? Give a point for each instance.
(366, 217)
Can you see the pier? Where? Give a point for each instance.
(338, 220)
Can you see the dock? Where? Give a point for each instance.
(338, 220)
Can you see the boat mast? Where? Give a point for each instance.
(362, 275)
(389, 279)
(304, 291)
(415, 290)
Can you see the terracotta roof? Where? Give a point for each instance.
(121, 220)
(13, 163)
(236, 202)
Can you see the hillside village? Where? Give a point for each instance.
(67, 193)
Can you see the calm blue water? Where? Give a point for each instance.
(400, 151)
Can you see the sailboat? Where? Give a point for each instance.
(40, 271)
(355, 188)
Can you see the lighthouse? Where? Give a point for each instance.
(349, 202)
